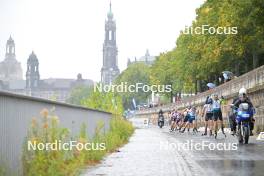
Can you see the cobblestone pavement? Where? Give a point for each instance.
(152, 152)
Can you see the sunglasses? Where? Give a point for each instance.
(243, 95)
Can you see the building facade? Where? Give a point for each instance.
(10, 68)
(11, 78)
(110, 68)
(32, 74)
(146, 59)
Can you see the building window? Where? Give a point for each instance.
(110, 35)
(35, 83)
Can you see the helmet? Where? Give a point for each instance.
(242, 91)
(214, 96)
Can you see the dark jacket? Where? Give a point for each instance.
(238, 101)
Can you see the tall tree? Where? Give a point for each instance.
(135, 73)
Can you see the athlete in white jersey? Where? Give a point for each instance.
(217, 114)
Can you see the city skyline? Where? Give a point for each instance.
(61, 38)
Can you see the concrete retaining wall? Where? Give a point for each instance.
(253, 81)
(17, 111)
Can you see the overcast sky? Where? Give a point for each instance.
(67, 35)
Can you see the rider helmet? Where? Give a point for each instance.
(242, 91)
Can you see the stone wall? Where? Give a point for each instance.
(253, 81)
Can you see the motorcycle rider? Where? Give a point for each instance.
(160, 113)
(161, 116)
(243, 98)
(232, 117)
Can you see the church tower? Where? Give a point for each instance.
(110, 68)
(32, 75)
(10, 49)
(10, 68)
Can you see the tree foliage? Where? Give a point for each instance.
(105, 101)
(135, 73)
(78, 94)
(201, 58)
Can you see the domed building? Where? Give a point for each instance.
(11, 78)
(10, 68)
(58, 89)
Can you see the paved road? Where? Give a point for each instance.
(153, 152)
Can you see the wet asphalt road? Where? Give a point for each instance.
(153, 151)
(244, 161)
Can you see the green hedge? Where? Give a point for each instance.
(60, 162)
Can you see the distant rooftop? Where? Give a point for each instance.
(50, 83)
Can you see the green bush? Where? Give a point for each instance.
(120, 131)
(43, 162)
(61, 162)
(118, 134)
(4, 169)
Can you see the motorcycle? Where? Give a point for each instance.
(161, 121)
(243, 117)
